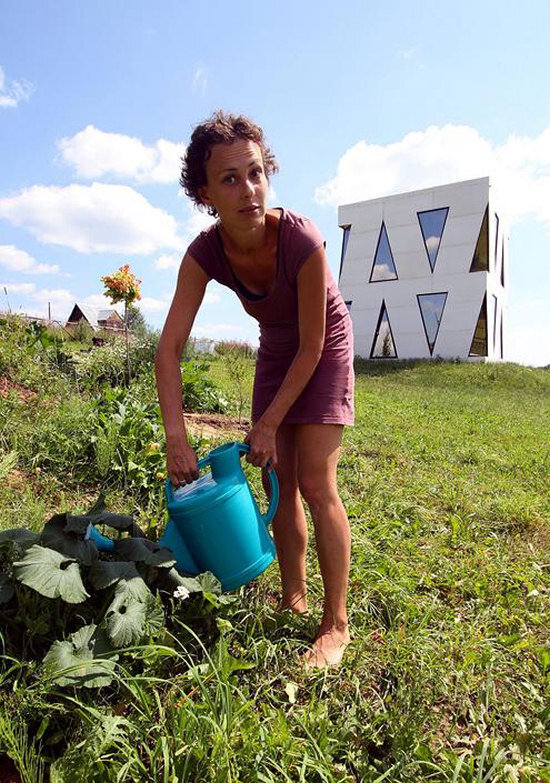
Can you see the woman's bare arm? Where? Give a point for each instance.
(192, 281)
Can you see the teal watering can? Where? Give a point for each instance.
(214, 523)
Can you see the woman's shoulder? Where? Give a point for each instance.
(295, 219)
(204, 241)
(299, 237)
(298, 227)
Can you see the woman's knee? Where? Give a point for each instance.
(318, 491)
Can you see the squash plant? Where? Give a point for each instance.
(76, 608)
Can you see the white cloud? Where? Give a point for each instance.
(196, 222)
(13, 93)
(212, 297)
(218, 331)
(528, 346)
(18, 260)
(96, 218)
(18, 288)
(200, 78)
(94, 153)
(170, 261)
(409, 54)
(150, 305)
(520, 168)
(100, 302)
(58, 297)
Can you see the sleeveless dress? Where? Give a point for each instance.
(328, 395)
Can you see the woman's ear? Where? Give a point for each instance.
(204, 197)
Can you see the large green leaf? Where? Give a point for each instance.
(6, 588)
(51, 574)
(171, 579)
(20, 536)
(141, 550)
(133, 613)
(80, 660)
(209, 583)
(72, 545)
(78, 523)
(105, 573)
(98, 514)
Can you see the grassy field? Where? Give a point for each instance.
(445, 479)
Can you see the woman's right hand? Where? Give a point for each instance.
(181, 462)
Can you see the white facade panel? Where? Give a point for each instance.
(451, 295)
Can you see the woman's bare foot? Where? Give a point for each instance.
(327, 649)
(295, 603)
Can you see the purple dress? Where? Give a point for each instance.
(328, 395)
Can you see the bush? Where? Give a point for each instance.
(28, 354)
(199, 392)
(53, 435)
(103, 364)
(235, 348)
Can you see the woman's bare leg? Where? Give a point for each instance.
(318, 450)
(289, 524)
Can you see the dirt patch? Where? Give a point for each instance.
(216, 425)
(6, 386)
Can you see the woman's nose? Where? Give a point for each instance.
(248, 187)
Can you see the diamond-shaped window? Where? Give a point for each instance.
(496, 239)
(345, 239)
(480, 261)
(383, 267)
(431, 309)
(432, 224)
(383, 346)
(479, 340)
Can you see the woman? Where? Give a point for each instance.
(275, 261)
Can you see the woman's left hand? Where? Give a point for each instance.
(262, 442)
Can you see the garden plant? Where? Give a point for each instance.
(115, 667)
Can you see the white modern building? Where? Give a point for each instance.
(424, 274)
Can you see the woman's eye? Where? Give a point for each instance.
(230, 179)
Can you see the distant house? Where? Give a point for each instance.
(97, 319)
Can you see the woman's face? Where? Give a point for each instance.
(236, 184)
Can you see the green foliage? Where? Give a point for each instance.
(29, 353)
(82, 332)
(199, 392)
(235, 347)
(103, 365)
(128, 438)
(59, 582)
(447, 679)
(50, 435)
(237, 361)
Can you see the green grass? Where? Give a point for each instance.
(445, 478)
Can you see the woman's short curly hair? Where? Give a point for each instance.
(220, 128)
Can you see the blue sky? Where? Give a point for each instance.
(358, 100)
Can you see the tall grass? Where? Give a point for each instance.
(447, 679)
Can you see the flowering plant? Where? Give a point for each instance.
(122, 286)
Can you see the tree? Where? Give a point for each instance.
(123, 286)
(136, 321)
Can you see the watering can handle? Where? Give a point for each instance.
(244, 448)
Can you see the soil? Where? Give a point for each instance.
(6, 386)
(219, 425)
